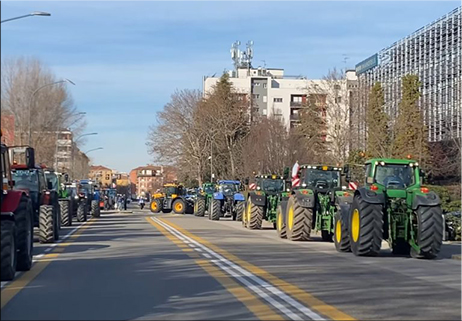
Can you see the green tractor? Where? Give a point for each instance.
(263, 201)
(59, 183)
(394, 206)
(203, 199)
(313, 205)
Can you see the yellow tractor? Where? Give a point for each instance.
(171, 198)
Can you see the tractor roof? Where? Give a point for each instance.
(323, 167)
(171, 185)
(224, 181)
(86, 181)
(391, 161)
(208, 184)
(23, 166)
(271, 176)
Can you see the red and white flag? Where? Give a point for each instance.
(352, 185)
(295, 178)
(252, 186)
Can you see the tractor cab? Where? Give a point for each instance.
(228, 187)
(173, 190)
(270, 184)
(320, 178)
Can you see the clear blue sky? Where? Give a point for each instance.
(128, 57)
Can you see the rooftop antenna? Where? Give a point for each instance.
(242, 59)
(345, 58)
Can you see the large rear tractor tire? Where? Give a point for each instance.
(366, 227)
(8, 250)
(280, 222)
(179, 206)
(299, 221)
(246, 215)
(156, 206)
(429, 232)
(240, 207)
(66, 213)
(95, 209)
(47, 224)
(256, 217)
(341, 235)
(25, 234)
(81, 212)
(215, 210)
(56, 220)
(199, 207)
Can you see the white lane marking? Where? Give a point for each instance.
(265, 285)
(48, 249)
(207, 256)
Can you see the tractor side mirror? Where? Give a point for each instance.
(286, 173)
(246, 181)
(422, 176)
(66, 177)
(346, 169)
(49, 185)
(370, 180)
(30, 157)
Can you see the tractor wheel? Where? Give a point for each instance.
(95, 209)
(429, 232)
(81, 212)
(47, 224)
(66, 218)
(366, 227)
(179, 206)
(255, 217)
(246, 215)
(240, 206)
(57, 221)
(341, 235)
(156, 206)
(280, 224)
(215, 210)
(326, 236)
(8, 250)
(199, 207)
(298, 221)
(25, 234)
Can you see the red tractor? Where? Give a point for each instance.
(17, 223)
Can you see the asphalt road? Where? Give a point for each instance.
(135, 265)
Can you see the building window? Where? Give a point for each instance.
(337, 87)
(257, 84)
(277, 100)
(297, 99)
(265, 99)
(264, 112)
(256, 96)
(264, 85)
(338, 100)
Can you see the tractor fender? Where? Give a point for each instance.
(341, 199)
(305, 200)
(430, 199)
(259, 200)
(10, 201)
(239, 197)
(370, 196)
(218, 196)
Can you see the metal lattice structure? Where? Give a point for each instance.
(434, 54)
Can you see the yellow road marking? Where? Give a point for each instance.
(304, 297)
(13, 288)
(260, 310)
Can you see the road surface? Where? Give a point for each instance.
(139, 266)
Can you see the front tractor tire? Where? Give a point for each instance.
(81, 212)
(299, 221)
(366, 227)
(341, 235)
(25, 234)
(8, 250)
(215, 210)
(255, 216)
(95, 211)
(156, 206)
(429, 232)
(280, 222)
(66, 213)
(47, 224)
(199, 207)
(179, 206)
(239, 208)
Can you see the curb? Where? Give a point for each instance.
(456, 257)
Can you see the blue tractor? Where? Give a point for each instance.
(92, 196)
(227, 201)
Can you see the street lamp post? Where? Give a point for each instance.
(57, 138)
(73, 148)
(35, 13)
(32, 97)
(91, 150)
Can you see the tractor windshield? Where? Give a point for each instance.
(322, 179)
(228, 189)
(394, 175)
(272, 185)
(209, 189)
(25, 179)
(53, 178)
(86, 188)
(171, 190)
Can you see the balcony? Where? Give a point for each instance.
(295, 104)
(295, 117)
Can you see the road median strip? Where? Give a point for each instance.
(41, 261)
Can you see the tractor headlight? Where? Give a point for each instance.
(288, 190)
(304, 185)
(258, 188)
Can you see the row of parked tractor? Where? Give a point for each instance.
(392, 205)
(35, 196)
